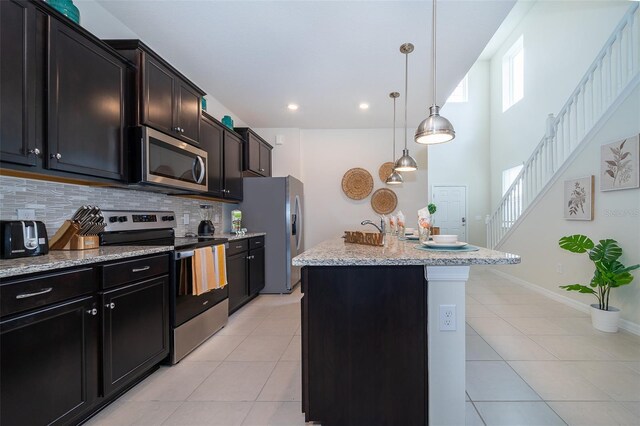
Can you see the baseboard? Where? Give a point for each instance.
(624, 324)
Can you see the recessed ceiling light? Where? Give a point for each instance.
(292, 107)
(364, 105)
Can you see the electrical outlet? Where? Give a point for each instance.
(559, 268)
(185, 218)
(216, 218)
(26, 214)
(447, 318)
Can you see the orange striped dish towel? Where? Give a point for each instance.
(208, 269)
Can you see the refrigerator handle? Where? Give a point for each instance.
(297, 222)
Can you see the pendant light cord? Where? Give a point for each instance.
(394, 130)
(406, 92)
(433, 27)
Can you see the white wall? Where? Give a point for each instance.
(561, 39)
(286, 158)
(465, 160)
(326, 157)
(616, 216)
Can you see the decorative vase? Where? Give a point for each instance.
(606, 321)
(227, 121)
(67, 8)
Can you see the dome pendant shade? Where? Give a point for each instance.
(406, 163)
(434, 129)
(394, 178)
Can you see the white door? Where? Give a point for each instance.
(451, 203)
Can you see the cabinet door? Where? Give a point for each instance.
(86, 105)
(158, 96)
(253, 153)
(136, 330)
(17, 82)
(237, 280)
(49, 364)
(265, 160)
(211, 135)
(188, 113)
(256, 271)
(232, 166)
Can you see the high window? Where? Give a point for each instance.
(513, 75)
(461, 92)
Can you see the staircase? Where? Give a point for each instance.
(610, 78)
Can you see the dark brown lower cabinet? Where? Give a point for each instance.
(49, 364)
(135, 330)
(364, 345)
(256, 271)
(237, 280)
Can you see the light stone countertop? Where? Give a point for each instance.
(336, 252)
(232, 237)
(58, 259)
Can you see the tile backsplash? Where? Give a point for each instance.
(55, 202)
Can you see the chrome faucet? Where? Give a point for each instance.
(382, 228)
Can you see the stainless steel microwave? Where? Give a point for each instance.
(163, 161)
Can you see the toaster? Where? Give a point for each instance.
(23, 238)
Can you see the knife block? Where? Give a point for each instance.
(67, 238)
(82, 242)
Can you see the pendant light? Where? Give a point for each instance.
(435, 128)
(406, 163)
(394, 178)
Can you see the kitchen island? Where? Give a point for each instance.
(373, 348)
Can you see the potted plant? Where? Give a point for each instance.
(435, 230)
(609, 274)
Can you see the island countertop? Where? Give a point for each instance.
(336, 252)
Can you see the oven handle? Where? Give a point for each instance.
(183, 254)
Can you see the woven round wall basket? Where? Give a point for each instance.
(385, 170)
(357, 183)
(384, 201)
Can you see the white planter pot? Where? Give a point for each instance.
(605, 320)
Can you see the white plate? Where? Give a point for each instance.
(412, 237)
(458, 244)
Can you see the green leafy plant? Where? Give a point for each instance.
(432, 211)
(609, 273)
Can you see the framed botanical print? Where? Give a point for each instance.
(578, 198)
(619, 165)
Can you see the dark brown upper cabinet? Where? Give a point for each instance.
(62, 96)
(257, 153)
(232, 166)
(225, 158)
(166, 100)
(17, 83)
(86, 105)
(211, 140)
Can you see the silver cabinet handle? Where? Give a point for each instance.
(93, 312)
(176, 129)
(34, 151)
(258, 242)
(238, 247)
(144, 268)
(110, 305)
(37, 293)
(262, 170)
(181, 130)
(57, 156)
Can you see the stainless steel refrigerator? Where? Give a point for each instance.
(274, 205)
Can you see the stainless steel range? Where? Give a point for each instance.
(193, 318)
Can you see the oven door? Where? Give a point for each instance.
(170, 162)
(187, 305)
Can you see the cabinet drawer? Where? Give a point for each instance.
(22, 295)
(237, 246)
(256, 242)
(134, 270)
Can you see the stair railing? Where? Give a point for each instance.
(615, 69)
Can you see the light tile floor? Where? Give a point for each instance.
(530, 361)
